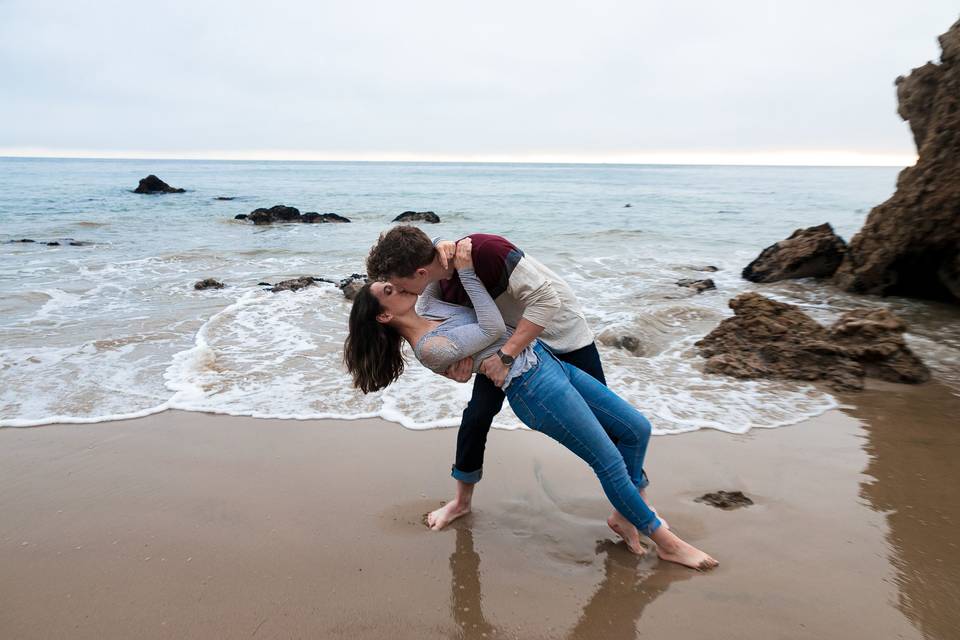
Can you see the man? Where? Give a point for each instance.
(530, 297)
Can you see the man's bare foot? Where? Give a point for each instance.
(673, 549)
(625, 529)
(439, 518)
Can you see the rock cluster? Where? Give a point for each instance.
(153, 184)
(418, 216)
(769, 339)
(815, 252)
(282, 213)
(349, 285)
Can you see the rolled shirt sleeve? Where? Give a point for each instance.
(535, 292)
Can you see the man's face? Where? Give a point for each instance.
(412, 284)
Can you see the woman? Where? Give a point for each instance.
(546, 394)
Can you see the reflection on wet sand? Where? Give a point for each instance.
(613, 610)
(915, 475)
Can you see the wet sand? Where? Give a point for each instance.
(185, 525)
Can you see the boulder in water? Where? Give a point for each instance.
(815, 252)
(276, 213)
(418, 216)
(153, 184)
(312, 217)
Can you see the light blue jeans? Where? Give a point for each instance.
(596, 424)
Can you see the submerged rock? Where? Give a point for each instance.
(418, 216)
(224, 198)
(769, 339)
(24, 240)
(623, 341)
(910, 244)
(153, 184)
(208, 283)
(725, 499)
(697, 285)
(240, 216)
(815, 252)
(53, 244)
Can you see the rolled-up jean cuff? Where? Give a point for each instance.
(469, 477)
(653, 526)
(644, 481)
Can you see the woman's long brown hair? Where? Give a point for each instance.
(372, 349)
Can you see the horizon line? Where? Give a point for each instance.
(784, 158)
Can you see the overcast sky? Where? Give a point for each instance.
(596, 81)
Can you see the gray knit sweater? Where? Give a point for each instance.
(477, 332)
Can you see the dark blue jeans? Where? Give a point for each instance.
(586, 417)
(485, 404)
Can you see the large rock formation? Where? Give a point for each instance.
(815, 252)
(910, 244)
(153, 184)
(769, 339)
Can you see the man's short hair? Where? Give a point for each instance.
(400, 252)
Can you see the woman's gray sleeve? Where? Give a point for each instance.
(489, 319)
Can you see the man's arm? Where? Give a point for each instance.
(540, 301)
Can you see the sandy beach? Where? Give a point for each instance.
(188, 525)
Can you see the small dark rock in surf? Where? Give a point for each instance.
(627, 206)
(709, 268)
(295, 284)
(153, 184)
(240, 216)
(312, 217)
(697, 285)
(208, 283)
(224, 198)
(53, 244)
(725, 499)
(418, 216)
(23, 240)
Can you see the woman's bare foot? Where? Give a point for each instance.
(673, 549)
(439, 518)
(625, 529)
(663, 521)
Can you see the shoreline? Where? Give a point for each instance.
(195, 525)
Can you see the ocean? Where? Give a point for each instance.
(114, 329)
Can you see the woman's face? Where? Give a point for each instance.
(393, 299)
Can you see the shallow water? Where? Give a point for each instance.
(112, 329)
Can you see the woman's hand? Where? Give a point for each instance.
(464, 256)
